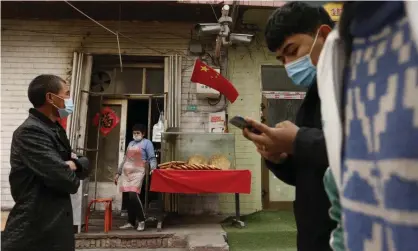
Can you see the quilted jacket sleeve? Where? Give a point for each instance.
(82, 164)
(38, 153)
(283, 171)
(310, 147)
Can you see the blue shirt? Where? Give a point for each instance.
(380, 152)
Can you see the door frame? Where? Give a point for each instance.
(122, 122)
(265, 172)
(76, 127)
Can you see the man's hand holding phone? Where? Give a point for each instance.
(241, 123)
(275, 143)
(272, 157)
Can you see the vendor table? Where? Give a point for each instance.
(202, 181)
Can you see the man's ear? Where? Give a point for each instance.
(49, 98)
(324, 30)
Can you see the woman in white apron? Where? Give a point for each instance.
(132, 172)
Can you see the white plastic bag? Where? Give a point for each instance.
(157, 129)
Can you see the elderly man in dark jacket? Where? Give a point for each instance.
(296, 153)
(44, 173)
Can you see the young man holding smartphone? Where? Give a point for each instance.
(296, 153)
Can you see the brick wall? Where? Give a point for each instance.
(30, 48)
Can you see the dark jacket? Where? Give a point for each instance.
(305, 170)
(41, 183)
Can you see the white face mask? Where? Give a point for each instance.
(137, 137)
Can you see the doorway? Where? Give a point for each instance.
(112, 141)
(98, 78)
(277, 195)
(106, 146)
(146, 112)
(139, 112)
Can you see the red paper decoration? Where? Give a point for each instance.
(108, 120)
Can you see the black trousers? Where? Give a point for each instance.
(125, 201)
(152, 196)
(135, 208)
(126, 198)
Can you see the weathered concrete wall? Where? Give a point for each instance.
(244, 69)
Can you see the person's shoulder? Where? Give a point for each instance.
(147, 142)
(30, 126)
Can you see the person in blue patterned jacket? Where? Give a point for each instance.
(368, 85)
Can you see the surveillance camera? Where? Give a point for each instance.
(208, 28)
(236, 38)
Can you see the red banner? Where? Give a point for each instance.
(108, 120)
(205, 75)
(193, 181)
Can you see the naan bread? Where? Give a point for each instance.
(197, 160)
(220, 161)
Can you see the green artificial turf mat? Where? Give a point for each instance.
(264, 231)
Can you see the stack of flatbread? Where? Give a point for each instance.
(198, 160)
(181, 165)
(220, 161)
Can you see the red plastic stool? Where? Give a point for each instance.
(107, 214)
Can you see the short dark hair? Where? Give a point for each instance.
(294, 18)
(41, 85)
(139, 127)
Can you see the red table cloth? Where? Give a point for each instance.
(201, 181)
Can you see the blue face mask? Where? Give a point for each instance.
(302, 71)
(68, 108)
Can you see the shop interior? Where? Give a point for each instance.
(119, 97)
(132, 94)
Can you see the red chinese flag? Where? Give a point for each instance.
(205, 75)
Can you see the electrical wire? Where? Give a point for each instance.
(120, 54)
(123, 35)
(214, 13)
(78, 33)
(91, 19)
(119, 34)
(3, 29)
(116, 34)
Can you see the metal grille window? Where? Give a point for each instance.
(283, 97)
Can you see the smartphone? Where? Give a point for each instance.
(241, 123)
